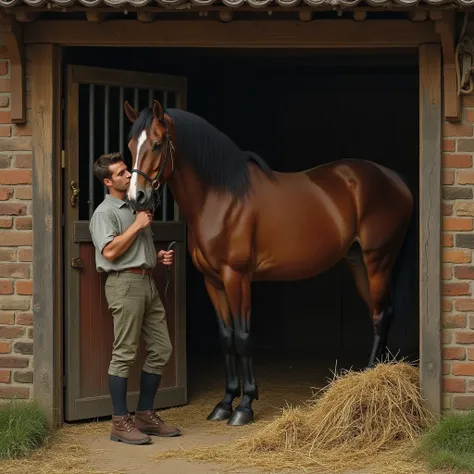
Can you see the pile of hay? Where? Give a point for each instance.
(361, 419)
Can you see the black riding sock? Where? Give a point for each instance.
(118, 392)
(149, 384)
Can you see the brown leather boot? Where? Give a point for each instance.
(150, 423)
(123, 429)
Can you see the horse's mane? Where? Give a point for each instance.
(215, 158)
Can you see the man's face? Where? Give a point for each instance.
(120, 180)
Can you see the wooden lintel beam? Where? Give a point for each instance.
(235, 34)
(145, 16)
(445, 27)
(12, 34)
(24, 16)
(95, 16)
(306, 15)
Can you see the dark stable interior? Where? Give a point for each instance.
(296, 109)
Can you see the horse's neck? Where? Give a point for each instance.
(188, 192)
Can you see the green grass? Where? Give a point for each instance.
(23, 428)
(450, 444)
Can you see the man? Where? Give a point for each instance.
(126, 252)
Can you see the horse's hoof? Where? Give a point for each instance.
(220, 413)
(240, 418)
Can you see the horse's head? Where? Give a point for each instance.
(152, 155)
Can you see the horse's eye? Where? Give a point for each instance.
(157, 146)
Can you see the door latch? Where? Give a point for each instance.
(75, 193)
(77, 262)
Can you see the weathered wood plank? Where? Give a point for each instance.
(236, 34)
(430, 225)
(47, 246)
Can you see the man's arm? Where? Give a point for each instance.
(122, 242)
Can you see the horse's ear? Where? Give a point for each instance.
(158, 111)
(130, 112)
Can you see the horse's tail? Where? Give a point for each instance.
(404, 288)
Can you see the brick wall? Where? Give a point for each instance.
(16, 318)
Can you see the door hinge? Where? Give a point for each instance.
(63, 159)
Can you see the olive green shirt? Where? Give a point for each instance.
(112, 218)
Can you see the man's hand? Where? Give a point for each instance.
(166, 257)
(143, 219)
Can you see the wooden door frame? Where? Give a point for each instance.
(46, 75)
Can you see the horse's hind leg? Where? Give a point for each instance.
(223, 410)
(379, 269)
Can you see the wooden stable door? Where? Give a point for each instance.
(96, 124)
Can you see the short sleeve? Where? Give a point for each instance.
(103, 229)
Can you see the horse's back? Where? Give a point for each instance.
(311, 218)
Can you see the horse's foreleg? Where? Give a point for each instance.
(223, 410)
(237, 287)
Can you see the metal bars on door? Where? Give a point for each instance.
(107, 127)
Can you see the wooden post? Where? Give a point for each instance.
(430, 225)
(46, 119)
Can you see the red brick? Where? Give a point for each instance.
(15, 176)
(5, 85)
(454, 353)
(7, 255)
(23, 223)
(469, 115)
(23, 161)
(465, 337)
(457, 223)
(5, 376)
(467, 100)
(448, 177)
(466, 177)
(464, 272)
(470, 354)
(457, 130)
(449, 145)
(5, 131)
(4, 347)
(3, 68)
(14, 392)
(24, 319)
(20, 238)
(454, 321)
(447, 305)
(449, 255)
(22, 131)
(447, 209)
(5, 117)
(447, 240)
(6, 222)
(464, 304)
(5, 193)
(13, 362)
(15, 270)
(24, 193)
(447, 272)
(6, 287)
(25, 255)
(463, 402)
(465, 368)
(446, 368)
(12, 209)
(457, 161)
(11, 332)
(454, 385)
(7, 317)
(454, 289)
(24, 287)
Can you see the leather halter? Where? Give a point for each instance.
(169, 153)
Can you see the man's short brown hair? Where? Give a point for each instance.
(102, 164)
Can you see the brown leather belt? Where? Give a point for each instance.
(140, 271)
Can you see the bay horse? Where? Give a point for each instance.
(247, 222)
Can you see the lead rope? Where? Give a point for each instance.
(168, 270)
